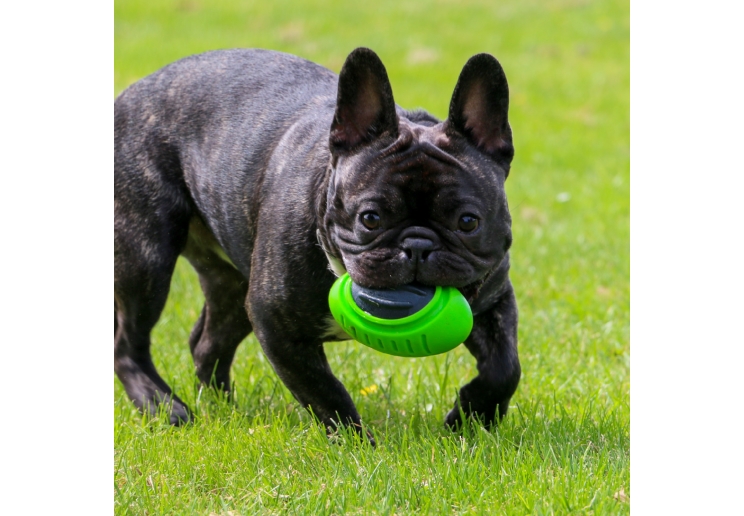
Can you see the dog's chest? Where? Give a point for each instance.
(333, 331)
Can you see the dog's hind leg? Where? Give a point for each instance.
(150, 229)
(223, 323)
(140, 291)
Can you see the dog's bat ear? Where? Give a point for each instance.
(365, 108)
(480, 106)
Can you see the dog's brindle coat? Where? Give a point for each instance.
(261, 169)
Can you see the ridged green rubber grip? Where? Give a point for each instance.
(442, 325)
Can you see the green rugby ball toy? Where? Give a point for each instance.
(409, 321)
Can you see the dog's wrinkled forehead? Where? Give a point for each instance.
(412, 133)
(423, 158)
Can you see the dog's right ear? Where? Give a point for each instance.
(480, 106)
(365, 108)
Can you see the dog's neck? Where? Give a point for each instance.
(335, 264)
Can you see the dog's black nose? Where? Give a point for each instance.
(417, 249)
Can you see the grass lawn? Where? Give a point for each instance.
(565, 446)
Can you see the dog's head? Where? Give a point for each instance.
(413, 199)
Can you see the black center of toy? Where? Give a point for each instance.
(392, 303)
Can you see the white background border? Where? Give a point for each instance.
(687, 257)
(56, 181)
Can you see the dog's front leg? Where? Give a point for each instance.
(302, 366)
(493, 342)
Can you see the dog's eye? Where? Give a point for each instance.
(371, 220)
(468, 224)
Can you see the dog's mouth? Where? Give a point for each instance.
(469, 291)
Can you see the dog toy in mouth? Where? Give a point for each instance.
(409, 321)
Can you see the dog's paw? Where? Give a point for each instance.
(180, 414)
(456, 417)
(453, 419)
(350, 431)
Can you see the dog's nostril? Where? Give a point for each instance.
(417, 249)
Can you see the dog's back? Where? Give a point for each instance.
(216, 117)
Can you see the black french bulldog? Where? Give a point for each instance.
(272, 176)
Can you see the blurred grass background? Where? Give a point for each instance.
(565, 445)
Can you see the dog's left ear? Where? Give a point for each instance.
(480, 106)
(365, 108)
